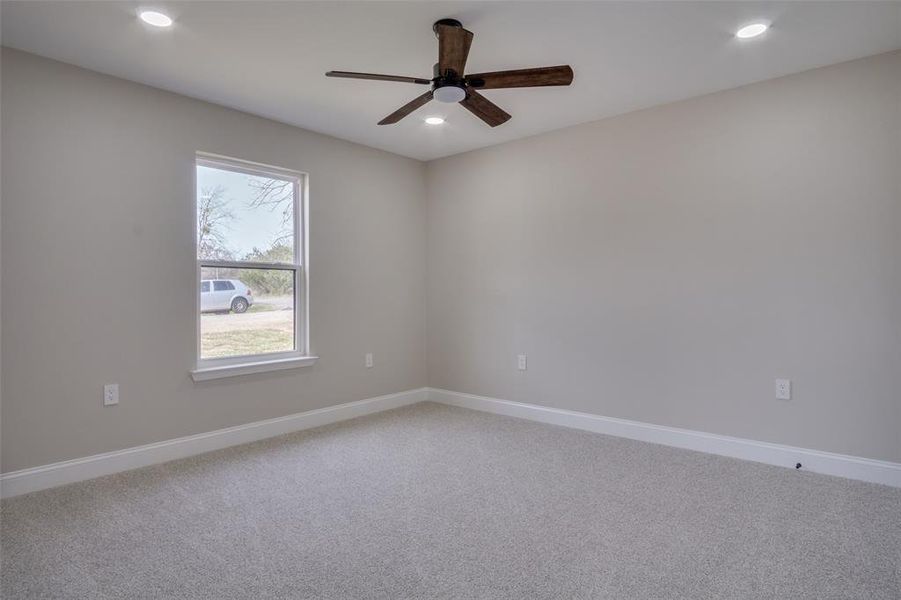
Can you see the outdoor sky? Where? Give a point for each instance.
(251, 227)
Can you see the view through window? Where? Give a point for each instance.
(248, 259)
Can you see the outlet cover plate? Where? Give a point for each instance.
(783, 389)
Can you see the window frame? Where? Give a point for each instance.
(211, 368)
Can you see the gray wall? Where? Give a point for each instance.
(98, 267)
(667, 265)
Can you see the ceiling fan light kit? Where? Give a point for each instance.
(449, 84)
(448, 93)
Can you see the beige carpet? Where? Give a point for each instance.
(431, 501)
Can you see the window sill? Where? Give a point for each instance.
(207, 373)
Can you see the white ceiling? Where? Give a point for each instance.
(268, 58)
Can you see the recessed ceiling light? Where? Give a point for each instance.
(752, 30)
(434, 120)
(157, 19)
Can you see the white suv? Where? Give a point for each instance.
(224, 295)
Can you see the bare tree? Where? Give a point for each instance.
(275, 194)
(213, 216)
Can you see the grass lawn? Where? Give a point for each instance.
(216, 344)
(262, 308)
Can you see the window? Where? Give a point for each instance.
(251, 307)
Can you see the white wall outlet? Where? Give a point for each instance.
(521, 362)
(783, 389)
(110, 394)
(369, 360)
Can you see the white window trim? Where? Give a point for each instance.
(231, 366)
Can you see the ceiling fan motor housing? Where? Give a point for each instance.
(447, 87)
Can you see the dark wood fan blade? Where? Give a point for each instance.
(484, 108)
(453, 48)
(560, 75)
(377, 77)
(406, 109)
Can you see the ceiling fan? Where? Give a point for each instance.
(449, 83)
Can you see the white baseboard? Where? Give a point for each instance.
(851, 467)
(79, 469)
(70, 471)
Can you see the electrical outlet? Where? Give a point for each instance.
(110, 394)
(369, 360)
(783, 389)
(521, 362)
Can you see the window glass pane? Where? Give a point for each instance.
(204, 286)
(256, 317)
(244, 217)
